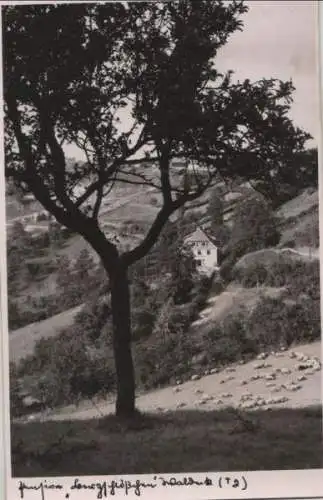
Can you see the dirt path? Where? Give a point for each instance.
(280, 380)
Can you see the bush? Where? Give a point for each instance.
(230, 342)
(42, 240)
(296, 275)
(217, 285)
(42, 217)
(40, 268)
(310, 235)
(68, 367)
(168, 351)
(77, 281)
(276, 322)
(254, 227)
(271, 324)
(252, 276)
(38, 309)
(16, 401)
(200, 297)
(94, 318)
(227, 266)
(15, 318)
(143, 320)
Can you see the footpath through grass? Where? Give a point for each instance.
(175, 442)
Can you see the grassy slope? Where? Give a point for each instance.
(180, 441)
(299, 218)
(22, 341)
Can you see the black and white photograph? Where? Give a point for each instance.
(161, 174)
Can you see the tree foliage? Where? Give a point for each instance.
(69, 83)
(254, 223)
(254, 227)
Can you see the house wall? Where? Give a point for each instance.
(207, 254)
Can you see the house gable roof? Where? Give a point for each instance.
(198, 236)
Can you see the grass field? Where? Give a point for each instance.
(299, 205)
(22, 341)
(194, 441)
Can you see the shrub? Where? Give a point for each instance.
(276, 322)
(76, 281)
(226, 268)
(168, 351)
(297, 275)
(40, 267)
(289, 244)
(310, 235)
(42, 240)
(271, 324)
(36, 309)
(230, 340)
(68, 367)
(254, 227)
(41, 217)
(15, 317)
(143, 320)
(16, 401)
(200, 297)
(217, 285)
(304, 277)
(251, 276)
(94, 318)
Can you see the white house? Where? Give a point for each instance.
(205, 252)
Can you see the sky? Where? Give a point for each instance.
(278, 40)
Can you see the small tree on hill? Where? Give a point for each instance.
(182, 269)
(71, 70)
(83, 272)
(254, 227)
(63, 273)
(19, 248)
(215, 210)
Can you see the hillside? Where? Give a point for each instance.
(297, 215)
(22, 341)
(240, 385)
(300, 220)
(245, 373)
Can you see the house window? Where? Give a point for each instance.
(208, 251)
(198, 262)
(199, 252)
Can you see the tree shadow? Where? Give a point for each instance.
(172, 442)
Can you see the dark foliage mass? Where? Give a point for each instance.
(254, 227)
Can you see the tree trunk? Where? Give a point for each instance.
(120, 304)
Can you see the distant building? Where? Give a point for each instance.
(205, 252)
(29, 197)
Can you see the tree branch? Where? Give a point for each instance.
(77, 221)
(58, 157)
(164, 178)
(130, 257)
